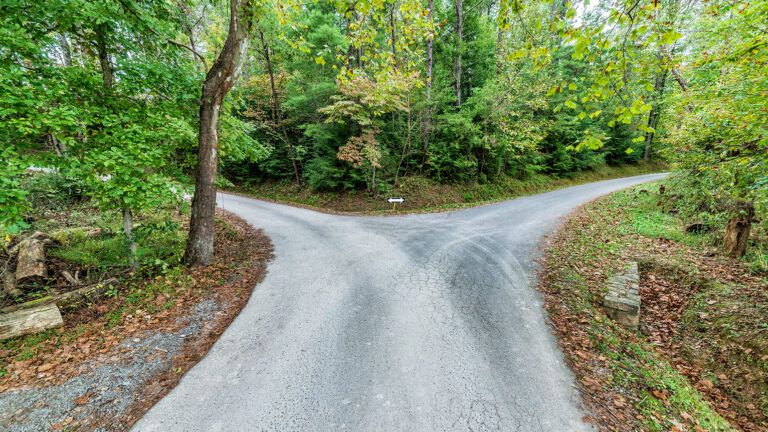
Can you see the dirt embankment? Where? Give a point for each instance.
(113, 360)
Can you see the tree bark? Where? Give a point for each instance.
(459, 5)
(30, 263)
(219, 80)
(9, 285)
(128, 231)
(392, 32)
(653, 115)
(426, 130)
(672, 68)
(107, 74)
(29, 321)
(738, 229)
(277, 115)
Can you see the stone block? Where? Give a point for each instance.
(622, 301)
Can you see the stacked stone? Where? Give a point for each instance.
(622, 302)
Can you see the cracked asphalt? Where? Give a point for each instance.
(419, 323)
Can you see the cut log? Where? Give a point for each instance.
(83, 296)
(31, 260)
(28, 305)
(9, 285)
(28, 321)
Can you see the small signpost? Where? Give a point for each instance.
(395, 201)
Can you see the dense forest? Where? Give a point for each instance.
(131, 102)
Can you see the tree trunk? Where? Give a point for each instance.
(737, 230)
(426, 129)
(503, 23)
(392, 32)
(653, 115)
(277, 116)
(128, 231)
(9, 285)
(430, 43)
(407, 145)
(459, 5)
(672, 68)
(218, 82)
(106, 66)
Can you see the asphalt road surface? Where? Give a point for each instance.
(410, 323)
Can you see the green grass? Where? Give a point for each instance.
(110, 251)
(648, 220)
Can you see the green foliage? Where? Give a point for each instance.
(339, 95)
(12, 197)
(721, 142)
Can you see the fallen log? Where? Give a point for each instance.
(73, 299)
(67, 300)
(28, 321)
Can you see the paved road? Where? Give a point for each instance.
(410, 323)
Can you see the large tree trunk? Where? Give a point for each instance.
(277, 115)
(218, 82)
(737, 230)
(459, 5)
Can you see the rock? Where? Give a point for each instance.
(622, 301)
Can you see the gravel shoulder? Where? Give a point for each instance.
(100, 376)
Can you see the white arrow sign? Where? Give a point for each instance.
(396, 200)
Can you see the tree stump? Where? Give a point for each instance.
(737, 230)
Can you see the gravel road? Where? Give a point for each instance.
(412, 323)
